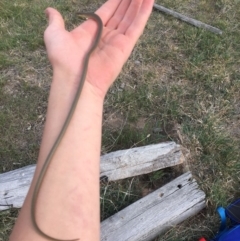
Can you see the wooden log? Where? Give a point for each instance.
(156, 213)
(14, 185)
(184, 18)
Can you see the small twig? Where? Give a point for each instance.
(187, 19)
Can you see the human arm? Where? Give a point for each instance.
(68, 202)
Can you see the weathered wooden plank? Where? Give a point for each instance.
(117, 165)
(155, 213)
(14, 186)
(140, 160)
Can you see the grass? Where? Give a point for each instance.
(178, 76)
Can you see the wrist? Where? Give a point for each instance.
(62, 94)
(66, 83)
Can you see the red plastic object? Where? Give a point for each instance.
(202, 239)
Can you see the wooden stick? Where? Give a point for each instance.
(184, 18)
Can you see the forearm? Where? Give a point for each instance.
(68, 201)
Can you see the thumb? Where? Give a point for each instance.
(55, 19)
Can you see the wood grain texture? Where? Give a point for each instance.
(155, 213)
(117, 165)
(14, 186)
(140, 160)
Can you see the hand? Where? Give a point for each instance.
(123, 20)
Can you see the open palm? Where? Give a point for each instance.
(123, 21)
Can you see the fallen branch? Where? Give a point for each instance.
(184, 18)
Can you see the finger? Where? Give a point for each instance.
(129, 16)
(107, 10)
(55, 19)
(55, 25)
(135, 30)
(118, 15)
